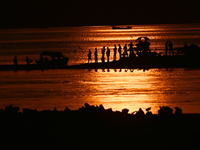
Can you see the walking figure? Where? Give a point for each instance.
(15, 61)
(125, 50)
(171, 48)
(108, 54)
(115, 51)
(46, 61)
(166, 47)
(131, 48)
(96, 55)
(27, 61)
(89, 56)
(120, 51)
(41, 60)
(185, 48)
(103, 53)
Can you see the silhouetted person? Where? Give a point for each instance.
(124, 55)
(89, 56)
(178, 111)
(96, 55)
(58, 59)
(46, 60)
(166, 47)
(108, 54)
(132, 55)
(120, 51)
(146, 45)
(171, 48)
(27, 61)
(41, 59)
(185, 48)
(115, 52)
(53, 61)
(131, 47)
(103, 53)
(185, 45)
(125, 50)
(15, 61)
(131, 50)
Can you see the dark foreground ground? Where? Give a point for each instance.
(93, 127)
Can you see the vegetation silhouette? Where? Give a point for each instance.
(94, 127)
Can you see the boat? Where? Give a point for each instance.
(117, 27)
(56, 59)
(48, 60)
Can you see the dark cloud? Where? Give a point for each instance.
(40, 13)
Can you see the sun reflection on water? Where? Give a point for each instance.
(116, 90)
(119, 90)
(142, 89)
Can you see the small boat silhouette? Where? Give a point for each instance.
(127, 27)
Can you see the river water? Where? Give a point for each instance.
(113, 88)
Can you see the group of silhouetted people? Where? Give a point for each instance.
(169, 47)
(28, 61)
(43, 60)
(107, 52)
(141, 47)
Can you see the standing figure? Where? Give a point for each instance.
(185, 45)
(103, 53)
(108, 54)
(120, 51)
(115, 52)
(125, 50)
(171, 48)
(27, 61)
(185, 48)
(15, 61)
(166, 47)
(131, 47)
(41, 60)
(96, 55)
(89, 56)
(46, 61)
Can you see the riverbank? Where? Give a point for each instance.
(93, 127)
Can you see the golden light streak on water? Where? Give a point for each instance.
(118, 90)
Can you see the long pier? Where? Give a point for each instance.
(178, 61)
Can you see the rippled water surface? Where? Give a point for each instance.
(116, 89)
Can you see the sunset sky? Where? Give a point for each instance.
(40, 13)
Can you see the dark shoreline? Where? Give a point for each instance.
(119, 64)
(93, 127)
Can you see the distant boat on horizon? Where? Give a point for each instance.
(117, 27)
